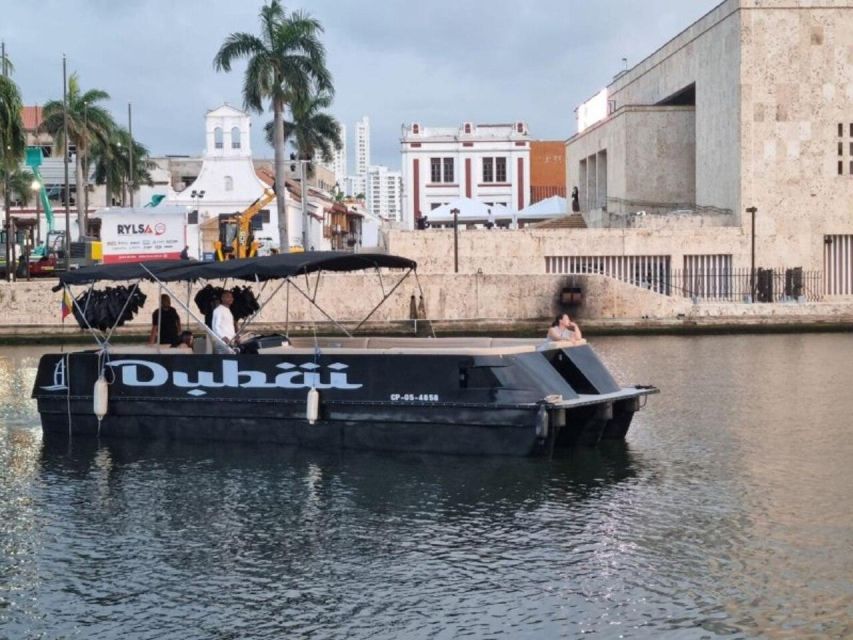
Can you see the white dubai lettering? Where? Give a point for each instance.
(143, 373)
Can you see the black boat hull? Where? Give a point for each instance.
(517, 404)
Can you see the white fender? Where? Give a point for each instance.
(312, 407)
(100, 396)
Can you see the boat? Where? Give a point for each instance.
(453, 395)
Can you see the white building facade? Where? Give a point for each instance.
(486, 162)
(338, 165)
(362, 146)
(383, 192)
(228, 180)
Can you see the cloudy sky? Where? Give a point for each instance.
(439, 62)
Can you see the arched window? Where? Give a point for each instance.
(416, 128)
(229, 183)
(217, 137)
(235, 138)
(467, 127)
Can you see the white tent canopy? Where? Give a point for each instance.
(470, 210)
(552, 207)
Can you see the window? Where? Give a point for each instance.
(841, 148)
(416, 128)
(235, 138)
(434, 205)
(500, 169)
(467, 127)
(229, 183)
(261, 218)
(448, 169)
(840, 129)
(217, 137)
(435, 169)
(488, 170)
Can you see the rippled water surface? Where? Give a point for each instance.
(726, 513)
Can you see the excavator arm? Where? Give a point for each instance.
(243, 245)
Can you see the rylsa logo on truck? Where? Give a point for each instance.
(141, 229)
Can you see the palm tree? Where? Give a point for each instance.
(314, 133)
(111, 160)
(12, 143)
(21, 184)
(286, 59)
(88, 122)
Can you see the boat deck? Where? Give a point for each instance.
(389, 346)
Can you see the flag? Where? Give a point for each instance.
(67, 304)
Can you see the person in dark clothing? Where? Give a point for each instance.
(185, 254)
(170, 327)
(576, 205)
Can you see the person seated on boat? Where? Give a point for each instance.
(223, 322)
(185, 342)
(563, 329)
(169, 323)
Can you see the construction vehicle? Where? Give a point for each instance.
(48, 258)
(235, 231)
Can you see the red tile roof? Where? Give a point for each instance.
(32, 117)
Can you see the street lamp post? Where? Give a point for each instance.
(753, 211)
(195, 197)
(36, 189)
(304, 186)
(455, 213)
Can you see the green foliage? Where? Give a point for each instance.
(313, 133)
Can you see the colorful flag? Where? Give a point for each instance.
(67, 304)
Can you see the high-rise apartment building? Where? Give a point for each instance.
(383, 192)
(362, 146)
(339, 162)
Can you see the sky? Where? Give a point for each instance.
(439, 63)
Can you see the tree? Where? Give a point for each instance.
(88, 122)
(12, 142)
(287, 59)
(111, 161)
(20, 184)
(313, 133)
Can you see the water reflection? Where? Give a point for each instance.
(724, 514)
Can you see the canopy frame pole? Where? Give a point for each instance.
(121, 313)
(159, 314)
(260, 307)
(320, 309)
(201, 323)
(421, 291)
(92, 330)
(189, 293)
(381, 282)
(287, 310)
(384, 298)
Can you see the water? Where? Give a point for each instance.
(726, 513)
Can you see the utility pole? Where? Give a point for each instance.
(304, 186)
(65, 162)
(130, 154)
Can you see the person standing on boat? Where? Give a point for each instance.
(169, 323)
(563, 329)
(223, 322)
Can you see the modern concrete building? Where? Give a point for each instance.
(383, 192)
(748, 107)
(487, 162)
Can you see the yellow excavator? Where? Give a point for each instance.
(235, 232)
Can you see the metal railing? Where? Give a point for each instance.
(724, 285)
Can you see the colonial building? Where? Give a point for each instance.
(227, 181)
(487, 162)
(750, 109)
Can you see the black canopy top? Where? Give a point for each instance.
(282, 265)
